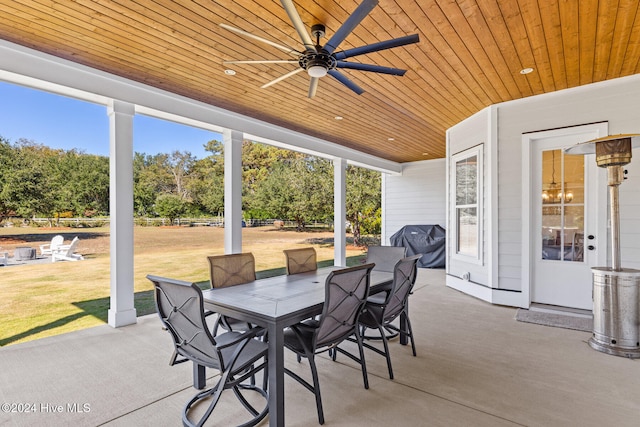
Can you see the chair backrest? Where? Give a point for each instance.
(385, 257)
(404, 277)
(56, 241)
(346, 292)
(179, 305)
(72, 247)
(231, 269)
(300, 260)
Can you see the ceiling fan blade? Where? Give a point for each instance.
(375, 47)
(294, 16)
(281, 78)
(266, 61)
(373, 68)
(352, 21)
(345, 81)
(313, 86)
(260, 39)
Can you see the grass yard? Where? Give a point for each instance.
(41, 300)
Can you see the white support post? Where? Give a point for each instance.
(232, 141)
(122, 310)
(340, 212)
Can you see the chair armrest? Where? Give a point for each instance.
(377, 299)
(61, 248)
(251, 333)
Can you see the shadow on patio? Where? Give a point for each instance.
(476, 365)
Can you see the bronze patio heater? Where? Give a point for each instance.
(616, 290)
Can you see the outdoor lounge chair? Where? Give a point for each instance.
(238, 356)
(67, 254)
(346, 291)
(300, 260)
(4, 258)
(54, 246)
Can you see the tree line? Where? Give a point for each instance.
(36, 180)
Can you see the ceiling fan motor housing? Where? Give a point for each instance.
(319, 59)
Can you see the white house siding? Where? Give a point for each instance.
(473, 132)
(417, 196)
(500, 129)
(616, 102)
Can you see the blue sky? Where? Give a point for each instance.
(60, 122)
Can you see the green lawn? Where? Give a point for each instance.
(41, 300)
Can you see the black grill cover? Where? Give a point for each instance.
(428, 240)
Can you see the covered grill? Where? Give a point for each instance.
(428, 240)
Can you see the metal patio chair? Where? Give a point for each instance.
(346, 291)
(231, 270)
(238, 356)
(300, 260)
(381, 309)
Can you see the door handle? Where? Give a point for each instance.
(591, 247)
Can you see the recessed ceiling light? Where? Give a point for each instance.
(230, 72)
(526, 70)
(425, 154)
(391, 139)
(338, 117)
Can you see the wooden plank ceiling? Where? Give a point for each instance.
(469, 56)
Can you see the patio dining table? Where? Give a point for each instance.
(275, 303)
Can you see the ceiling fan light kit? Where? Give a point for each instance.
(317, 60)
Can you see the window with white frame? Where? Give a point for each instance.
(467, 202)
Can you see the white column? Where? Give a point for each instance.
(339, 212)
(121, 311)
(232, 191)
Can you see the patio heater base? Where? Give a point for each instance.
(616, 312)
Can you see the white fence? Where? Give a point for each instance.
(150, 222)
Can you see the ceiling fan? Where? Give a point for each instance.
(317, 60)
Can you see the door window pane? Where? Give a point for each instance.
(562, 206)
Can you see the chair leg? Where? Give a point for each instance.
(406, 330)
(386, 351)
(363, 364)
(316, 388)
(215, 391)
(410, 333)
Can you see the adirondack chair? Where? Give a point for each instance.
(68, 254)
(50, 248)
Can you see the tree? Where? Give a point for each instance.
(257, 162)
(28, 187)
(81, 182)
(6, 163)
(180, 164)
(206, 180)
(151, 177)
(363, 199)
(300, 189)
(169, 206)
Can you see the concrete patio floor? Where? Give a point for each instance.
(476, 366)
